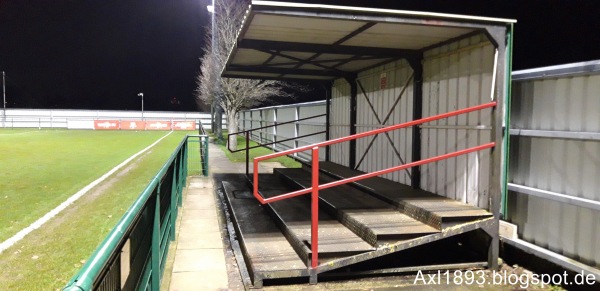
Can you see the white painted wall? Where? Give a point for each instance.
(455, 76)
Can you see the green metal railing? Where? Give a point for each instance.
(133, 255)
(198, 157)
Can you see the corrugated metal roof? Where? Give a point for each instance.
(323, 42)
(574, 69)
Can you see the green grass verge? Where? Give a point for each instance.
(48, 257)
(257, 152)
(42, 168)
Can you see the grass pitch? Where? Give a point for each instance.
(41, 169)
(48, 257)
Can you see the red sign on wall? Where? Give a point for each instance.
(133, 125)
(158, 125)
(383, 81)
(106, 124)
(184, 125)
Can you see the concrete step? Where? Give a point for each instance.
(267, 252)
(371, 218)
(294, 218)
(424, 206)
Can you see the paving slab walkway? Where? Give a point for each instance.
(200, 253)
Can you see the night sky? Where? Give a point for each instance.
(90, 54)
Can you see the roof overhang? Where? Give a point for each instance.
(292, 41)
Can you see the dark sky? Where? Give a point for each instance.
(90, 54)
(101, 54)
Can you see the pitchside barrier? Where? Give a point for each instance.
(133, 255)
(103, 119)
(143, 125)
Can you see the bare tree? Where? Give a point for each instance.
(231, 94)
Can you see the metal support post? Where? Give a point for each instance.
(498, 95)
(206, 153)
(417, 67)
(3, 100)
(327, 119)
(155, 264)
(353, 118)
(315, 214)
(247, 153)
(174, 201)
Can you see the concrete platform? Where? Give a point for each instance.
(199, 251)
(200, 257)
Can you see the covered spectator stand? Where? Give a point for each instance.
(414, 143)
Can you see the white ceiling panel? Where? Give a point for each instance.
(250, 57)
(404, 36)
(357, 66)
(313, 33)
(299, 29)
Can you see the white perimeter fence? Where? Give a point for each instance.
(310, 130)
(85, 119)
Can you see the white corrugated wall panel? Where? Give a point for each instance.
(286, 131)
(243, 121)
(256, 122)
(340, 121)
(569, 103)
(456, 76)
(570, 167)
(267, 116)
(382, 155)
(311, 126)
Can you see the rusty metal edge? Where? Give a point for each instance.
(410, 269)
(226, 218)
(403, 245)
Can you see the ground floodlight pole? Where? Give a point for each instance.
(216, 112)
(211, 10)
(3, 100)
(142, 95)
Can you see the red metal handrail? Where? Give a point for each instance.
(315, 187)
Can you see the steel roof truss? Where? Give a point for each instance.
(300, 62)
(340, 61)
(286, 71)
(325, 48)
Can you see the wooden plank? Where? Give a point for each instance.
(371, 218)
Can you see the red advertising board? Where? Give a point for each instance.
(133, 125)
(184, 125)
(143, 125)
(158, 125)
(106, 124)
